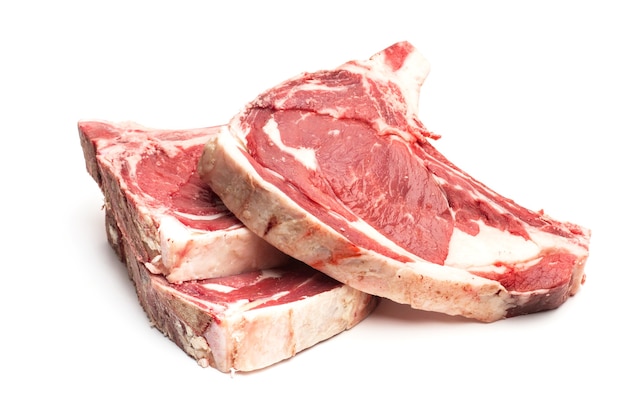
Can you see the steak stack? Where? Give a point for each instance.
(252, 241)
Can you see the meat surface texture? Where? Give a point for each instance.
(177, 226)
(335, 168)
(244, 322)
(223, 309)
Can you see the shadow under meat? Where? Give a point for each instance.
(392, 311)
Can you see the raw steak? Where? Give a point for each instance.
(335, 169)
(177, 226)
(244, 322)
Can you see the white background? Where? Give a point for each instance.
(529, 99)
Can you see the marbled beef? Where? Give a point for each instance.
(177, 226)
(335, 168)
(247, 321)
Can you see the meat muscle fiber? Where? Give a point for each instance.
(335, 168)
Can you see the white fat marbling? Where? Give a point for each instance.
(489, 246)
(305, 156)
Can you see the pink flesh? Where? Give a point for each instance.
(166, 180)
(296, 283)
(375, 164)
(174, 182)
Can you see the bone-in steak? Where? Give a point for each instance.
(335, 169)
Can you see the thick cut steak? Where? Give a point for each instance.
(223, 309)
(248, 321)
(177, 226)
(335, 169)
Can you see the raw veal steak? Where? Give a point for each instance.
(177, 226)
(244, 322)
(335, 169)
